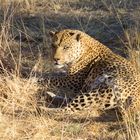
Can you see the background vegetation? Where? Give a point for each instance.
(25, 50)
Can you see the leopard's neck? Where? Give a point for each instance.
(90, 57)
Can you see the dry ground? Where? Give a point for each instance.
(25, 51)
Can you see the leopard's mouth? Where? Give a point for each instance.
(62, 67)
(59, 66)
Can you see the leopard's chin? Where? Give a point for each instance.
(59, 66)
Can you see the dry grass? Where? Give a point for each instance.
(24, 49)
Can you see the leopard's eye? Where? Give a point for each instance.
(65, 47)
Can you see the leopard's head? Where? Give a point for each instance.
(67, 47)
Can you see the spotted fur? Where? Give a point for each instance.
(98, 77)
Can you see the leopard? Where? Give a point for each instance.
(99, 77)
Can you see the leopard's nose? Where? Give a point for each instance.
(56, 61)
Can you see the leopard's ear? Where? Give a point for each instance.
(52, 33)
(71, 33)
(78, 36)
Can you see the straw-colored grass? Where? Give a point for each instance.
(25, 51)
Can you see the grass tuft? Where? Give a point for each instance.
(24, 50)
